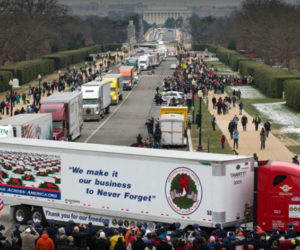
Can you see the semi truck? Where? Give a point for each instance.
(156, 58)
(96, 99)
(128, 76)
(66, 110)
(91, 183)
(133, 61)
(37, 126)
(116, 87)
(144, 62)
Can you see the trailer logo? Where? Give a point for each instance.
(183, 191)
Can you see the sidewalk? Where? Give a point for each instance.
(249, 141)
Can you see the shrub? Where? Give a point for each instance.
(224, 54)
(292, 93)
(5, 77)
(235, 60)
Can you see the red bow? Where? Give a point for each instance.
(50, 185)
(16, 181)
(27, 177)
(184, 183)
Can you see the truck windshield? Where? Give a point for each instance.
(113, 89)
(144, 62)
(90, 101)
(57, 124)
(126, 78)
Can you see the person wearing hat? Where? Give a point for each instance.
(159, 228)
(102, 242)
(38, 228)
(177, 233)
(275, 236)
(219, 231)
(291, 233)
(16, 234)
(28, 239)
(69, 228)
(52, 229)
(164, 244)
(122, 230)
(139, 226)
(249, 242)
(106, 229)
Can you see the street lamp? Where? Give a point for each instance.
(40, 79)
(11, 92)
(200, 95)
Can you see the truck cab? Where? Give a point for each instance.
(59, 119)
(278, 196)
(91, 102)
(116, 86)
(128, 76)
(144, 62)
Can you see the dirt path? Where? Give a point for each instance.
(249, 141)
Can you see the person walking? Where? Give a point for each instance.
(223, 138)
(267, 126)
(157, 136)
(213, 122)
(7, 106)
(214, 102)
(241, 106)
(262, 139)
(235, 139)
(256, 122)
(231, 127)
(244, 121)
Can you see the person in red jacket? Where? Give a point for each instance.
(223, 141)
(45, 243)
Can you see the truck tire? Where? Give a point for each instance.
(121, 97)
(107, 110)
(37, 215)
(22, 214)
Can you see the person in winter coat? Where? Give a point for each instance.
(164, 245)
(28, 239)
(45, 243)
(120, 244)
(262, 139)
(223, 138)
(102, 242)
(244, 121)
(256, 122)
(235, 136)
(231, 127)
(138, 243)
(267, 126)
(213, 122)
(115, 239)
(241, 106)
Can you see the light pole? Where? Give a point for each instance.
(11, 92)
(40, 79)
(200, 95)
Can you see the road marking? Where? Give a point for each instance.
(107, 119)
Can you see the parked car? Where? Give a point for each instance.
(173, 66)
(172, 94)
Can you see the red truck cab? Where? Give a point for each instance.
(278, 196)
(59, 117)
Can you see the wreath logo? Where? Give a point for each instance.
(183, 191)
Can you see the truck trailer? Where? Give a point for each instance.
(96, 99)
(35, 126)
(66, 110)
(92, 183)
(128, 76)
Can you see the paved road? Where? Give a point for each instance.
(128, 118)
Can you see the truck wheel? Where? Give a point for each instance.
(37, 215)
(121, 97)
(107, 110)
(22, 214)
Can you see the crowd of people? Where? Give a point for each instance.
(137, 236)
(72, 79)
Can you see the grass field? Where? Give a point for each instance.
(210, 139)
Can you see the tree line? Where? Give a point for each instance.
(269, 28)
(31, 28)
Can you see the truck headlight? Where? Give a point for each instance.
(97, 112)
